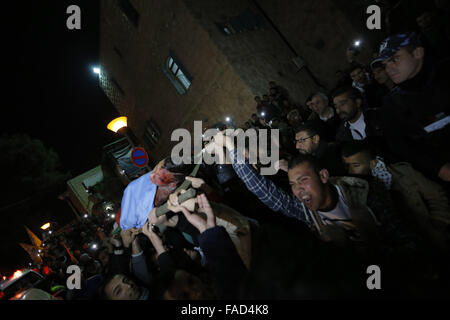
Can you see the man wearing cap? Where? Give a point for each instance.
(415, 118)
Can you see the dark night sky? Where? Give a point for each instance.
(51, 93)
(51, 89)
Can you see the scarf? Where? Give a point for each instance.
(381, 173)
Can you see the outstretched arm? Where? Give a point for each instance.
(272, 196)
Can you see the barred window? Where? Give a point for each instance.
(177, 75)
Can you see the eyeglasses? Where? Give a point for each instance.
(302, 140)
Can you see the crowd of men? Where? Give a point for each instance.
(363, 180)
(363, 177)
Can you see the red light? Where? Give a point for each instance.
(2, 294)
(46, 270)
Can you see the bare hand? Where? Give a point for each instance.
(154, 238)
(196, 182)
(154, 219)
(174, 206)
(128, 236)
(196, 220)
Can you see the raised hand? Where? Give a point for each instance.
(196, 182)
(128, 236)
(174, 206)
(196, 220)
(154, 238)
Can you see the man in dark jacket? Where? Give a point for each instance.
(415, 118)
(356, 124)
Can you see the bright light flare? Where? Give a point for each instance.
(45, 226)
(96, 70)
(118, 124)
(17, 274)
(357, 43)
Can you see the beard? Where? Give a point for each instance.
(348, 116)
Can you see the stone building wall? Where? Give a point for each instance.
(167, 26)
(321, 31)
(227, 68)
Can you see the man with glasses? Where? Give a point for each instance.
(308, 141)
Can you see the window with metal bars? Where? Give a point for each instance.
(177, 75)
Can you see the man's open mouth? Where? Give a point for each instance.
(306, 199)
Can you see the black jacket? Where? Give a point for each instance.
(410, 109)
(373, 127)
(223, 262)
(328, 128)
